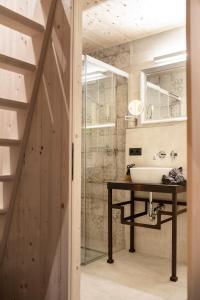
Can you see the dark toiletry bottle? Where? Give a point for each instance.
(128, 172)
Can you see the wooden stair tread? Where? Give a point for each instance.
(12, 104)
(6, 178)
(9, 142)
(3, 212)
(2, 224)
(15, 65)
(19, 22)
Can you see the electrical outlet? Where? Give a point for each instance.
(135, 151)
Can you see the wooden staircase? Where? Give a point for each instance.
(15, 113)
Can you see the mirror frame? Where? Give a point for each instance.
(143, 81)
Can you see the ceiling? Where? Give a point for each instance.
(107, 23)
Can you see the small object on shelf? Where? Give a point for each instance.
(175, 177)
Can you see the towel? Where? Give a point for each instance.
(175, 177)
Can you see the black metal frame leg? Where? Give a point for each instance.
(132, 228)
(174, 238)
(110, 243)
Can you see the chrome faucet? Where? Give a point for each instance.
(161, 155)
(173, 155)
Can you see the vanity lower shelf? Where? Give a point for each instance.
(131, 219)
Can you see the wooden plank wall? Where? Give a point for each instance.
(193, 22)
(36, 261)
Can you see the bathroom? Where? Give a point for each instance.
(133, 50)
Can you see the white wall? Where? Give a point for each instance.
(154, 138)
(142, 53)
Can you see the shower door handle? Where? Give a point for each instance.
(72, 161)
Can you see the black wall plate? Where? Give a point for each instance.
(135, 151)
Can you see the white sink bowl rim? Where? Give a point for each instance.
(149, 175)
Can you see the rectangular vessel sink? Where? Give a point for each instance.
(151, 175)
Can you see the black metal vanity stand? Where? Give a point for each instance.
(171, 215)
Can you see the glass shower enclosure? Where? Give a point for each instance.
(99, 152)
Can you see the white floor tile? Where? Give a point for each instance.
(132, 277)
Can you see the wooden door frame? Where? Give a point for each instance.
(75, 199)
(193, 87)
(193, 81)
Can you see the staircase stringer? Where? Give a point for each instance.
(32, 105)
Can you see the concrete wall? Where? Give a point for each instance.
(103, 159)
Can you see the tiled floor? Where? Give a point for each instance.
(132, 277)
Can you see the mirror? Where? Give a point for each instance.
(163, 94)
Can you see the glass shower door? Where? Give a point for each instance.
(98, 144)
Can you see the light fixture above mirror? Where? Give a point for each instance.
(171, 58)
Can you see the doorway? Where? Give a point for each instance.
(159, 54)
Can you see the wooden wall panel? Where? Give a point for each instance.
(36, 261)
(193, 149)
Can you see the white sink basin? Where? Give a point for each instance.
(151, 175)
